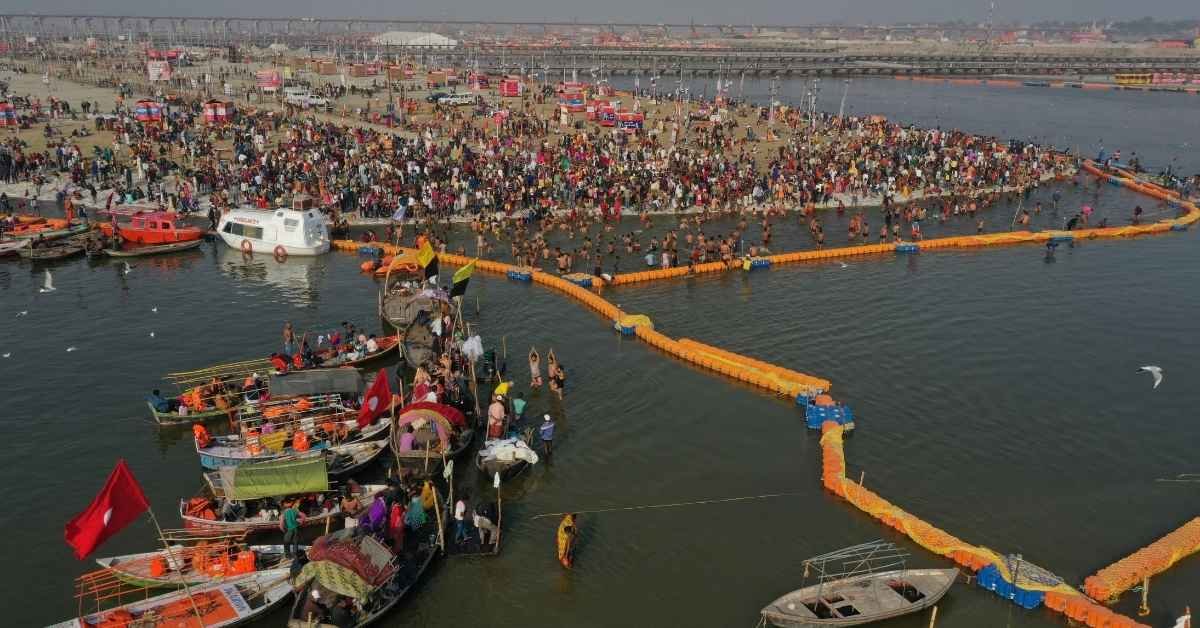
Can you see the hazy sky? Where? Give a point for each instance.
(763, 12)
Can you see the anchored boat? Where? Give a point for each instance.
(193, 565)
(859, 585)
(508, 457)
(285, 428)
(247, 498)
(220, 605)
(278, 232)
(428, 433)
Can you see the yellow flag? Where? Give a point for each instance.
(425, 255)
(464, 273)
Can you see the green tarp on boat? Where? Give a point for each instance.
(274, 479)
(334, 577)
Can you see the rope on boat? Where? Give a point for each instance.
(701, 502)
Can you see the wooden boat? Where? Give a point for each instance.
(234, 449)
(346, 460)
(401, 302)
(313, 416)
(387, 346)
(224, 604)
(859, 585)
(180, 566)
(10, 247)
(174, 418)
(50, 253)
(509, 457)
(215, 396)
(154, 249)
(260, 489)
(417, 346)
(47, 233)
(473, 545)
(438, 433)
(381, 581)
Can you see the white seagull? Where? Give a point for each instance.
(48, 283)
(154, 309)
(844, 264)
(70, 349)
(128, 269)
(1156, 371)
(151, 334)
(22, 312)
(7, 355)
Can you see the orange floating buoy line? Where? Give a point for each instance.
(1057, 597)
(995, 572)
(1117, 578)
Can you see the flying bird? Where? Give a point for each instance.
(844, 264)
(7, 355)
(1156, 371)
(22, 313)
(48, 283)
(128, 269)
(154, 309)
(151, 334)
(70, 349)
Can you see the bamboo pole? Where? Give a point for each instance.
(171, 557)
(499, 515)
(1144, 608)
(437, 511)
(933, 617)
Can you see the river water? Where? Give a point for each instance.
(996, 391)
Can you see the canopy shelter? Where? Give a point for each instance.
(430, 409)
(317, 382)
(270, 479)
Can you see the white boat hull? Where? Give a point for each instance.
(268, 248)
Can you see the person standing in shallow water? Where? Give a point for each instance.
(546, 434)
(289, 339)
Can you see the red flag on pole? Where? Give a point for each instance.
(376, 400)
(116, 506)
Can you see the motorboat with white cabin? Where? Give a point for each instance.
(280, 232)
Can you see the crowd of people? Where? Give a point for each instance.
(518, 179)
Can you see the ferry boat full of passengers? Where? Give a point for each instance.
(280, 232)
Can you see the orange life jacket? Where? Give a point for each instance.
(300, 441)
(253, 447)
(200, 433)
(243, 563)
(158, 566)
(280, 364)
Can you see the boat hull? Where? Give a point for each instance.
(268, 248)
(55, 234)
(232, 603)
(117, 565)
(171, 418)
(157, 237)
(156, 249)
(868, 595)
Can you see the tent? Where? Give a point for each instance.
(217, 111)
(8, 116)
(147, 111)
